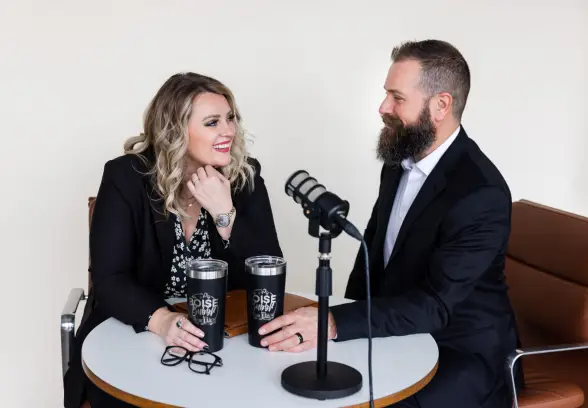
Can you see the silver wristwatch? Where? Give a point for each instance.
(224, 220)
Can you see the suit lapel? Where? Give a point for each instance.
(433, 186)
(388, 188)
(164, 228)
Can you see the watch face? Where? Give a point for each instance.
(223, 220)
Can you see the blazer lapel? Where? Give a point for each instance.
(389, 186)
(164, 229)
(164, 226)
(434, 184)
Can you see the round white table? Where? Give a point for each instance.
(127, 365)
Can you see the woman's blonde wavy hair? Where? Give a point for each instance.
(166, 133)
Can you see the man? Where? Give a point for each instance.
(437, 238)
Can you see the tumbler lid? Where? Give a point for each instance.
(265, 265)
(206, 269)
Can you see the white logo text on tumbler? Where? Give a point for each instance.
(264, 304)
(204, 309)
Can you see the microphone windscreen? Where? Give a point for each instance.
(294, 180)
(302, 187)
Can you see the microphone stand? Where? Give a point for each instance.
(322, 379)
(323, 291)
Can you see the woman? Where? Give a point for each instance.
(184, 189)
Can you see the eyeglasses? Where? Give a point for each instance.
(200, 362)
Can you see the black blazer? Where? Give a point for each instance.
(446, 272)
(131, 245)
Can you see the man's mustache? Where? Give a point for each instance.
(392, 122)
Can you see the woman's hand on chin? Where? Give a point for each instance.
(213, 192)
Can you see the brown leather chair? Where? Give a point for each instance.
(547, 272)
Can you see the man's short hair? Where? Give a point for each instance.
(443, 67)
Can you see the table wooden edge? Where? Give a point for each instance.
(120, 394)
(402, 394)
(146, 403)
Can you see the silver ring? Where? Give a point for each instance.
(180, 322)
(299, 337)
(195, 181)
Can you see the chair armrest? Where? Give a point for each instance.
(518, 353)
(68, 323)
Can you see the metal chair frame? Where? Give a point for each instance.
(68, 314)
(518, 353)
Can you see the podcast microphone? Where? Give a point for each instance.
(325, 209)
(320, 205)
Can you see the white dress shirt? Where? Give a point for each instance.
(412, 179)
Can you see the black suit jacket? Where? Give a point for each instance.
(446, 272)
(131, 245)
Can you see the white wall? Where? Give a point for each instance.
(76, 76)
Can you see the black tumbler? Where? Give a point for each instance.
(206, 297)
(266, 285)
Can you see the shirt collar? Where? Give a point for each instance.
(428, 163)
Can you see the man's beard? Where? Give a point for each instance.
(398, 142)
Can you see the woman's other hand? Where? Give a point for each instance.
(176, 330)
